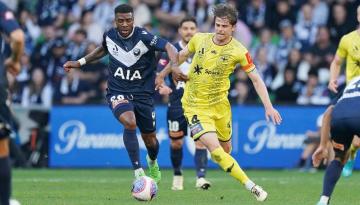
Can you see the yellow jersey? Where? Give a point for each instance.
(349, 48)
(210, 69)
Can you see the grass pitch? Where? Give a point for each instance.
(112, 186)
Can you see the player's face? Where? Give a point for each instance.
(124, 23)
(223, 29)
(187, 30)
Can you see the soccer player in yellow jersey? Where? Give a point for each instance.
(205, 101)
(349, 50)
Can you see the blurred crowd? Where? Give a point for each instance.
(292, 43)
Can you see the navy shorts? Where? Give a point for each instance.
(342, 132)
(177, 125)
(143, 109)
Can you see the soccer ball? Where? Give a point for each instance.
(144, 189)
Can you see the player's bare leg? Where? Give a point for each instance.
(5, 172)
(348, 168)
(201, 165)
(152, 146)
(229, 164)
(176, 155)
(131, 143)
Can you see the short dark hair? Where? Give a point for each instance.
(226, 10)
(186, 19)
(124, 8)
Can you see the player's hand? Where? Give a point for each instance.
(70, 65)
(159, 81)
(164, 90)
(274, 115)
(333, 85)
(178, 75)
(12, 66)
(320, 153)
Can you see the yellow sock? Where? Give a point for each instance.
(229, 164)
(353, 151)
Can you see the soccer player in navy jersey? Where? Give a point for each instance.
(344, 124)
(9, 27)
(131, 82)
(177, 125)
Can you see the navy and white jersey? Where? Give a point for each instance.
(132, 61)
(349, 103)
(8, 24)
(177, 88)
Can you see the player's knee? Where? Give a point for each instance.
(129, 124)
(199, 145)
(176, 144)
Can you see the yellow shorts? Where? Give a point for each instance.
(217, 119)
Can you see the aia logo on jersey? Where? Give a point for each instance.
(197, 69)
(126, 74)
(136, 52)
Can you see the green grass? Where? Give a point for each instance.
(111, 186)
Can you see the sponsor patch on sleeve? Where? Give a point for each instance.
(195, 129)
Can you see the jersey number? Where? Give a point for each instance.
(173, 126)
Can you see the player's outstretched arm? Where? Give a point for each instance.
(270, 111)
(178, 75)
(96, 54)
(17, 41)
(335, 67)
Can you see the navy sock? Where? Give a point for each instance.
(201, 162)
(132, 147)
(153, 150)
(5, 181)
(332, 175)
(176, 156)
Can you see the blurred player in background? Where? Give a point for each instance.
(349, 50)
(344, 124)
(205, 101)
(131, 83)
(9, 27)
(177, 125)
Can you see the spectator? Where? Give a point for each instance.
(77, 45)
(338, 23)
(38, 92)
(171, 12)
(278, 11)
(313, 93)
(265, 68)
(72, 90)
(255, 15)
(142, 13)
(306, 29)
(94, 30)
(265, 42)
(289, 91)
(323, 53)
(320, 12)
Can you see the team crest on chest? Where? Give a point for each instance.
(136, 51)
(128, 58)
